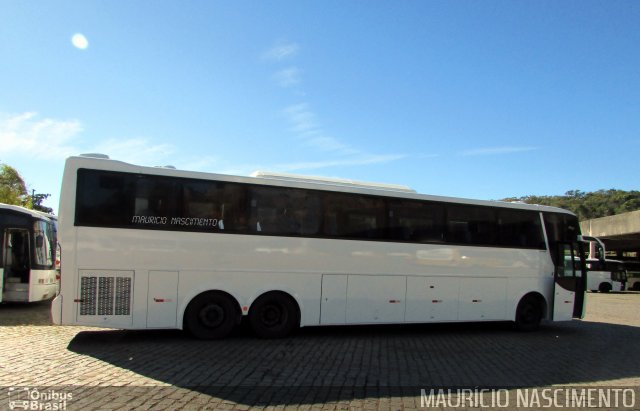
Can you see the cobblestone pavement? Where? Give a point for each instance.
(382, 367)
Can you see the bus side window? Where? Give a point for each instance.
(355, 216)
(520, 229)
(235, 212)
(103, 199)
(155, 197)
(471, 225)
(416, 221)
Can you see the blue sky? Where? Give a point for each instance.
(478, 99)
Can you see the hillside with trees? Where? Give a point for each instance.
(590, 205)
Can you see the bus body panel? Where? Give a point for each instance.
(56, 310)
(43, 285)
(162, 299)
(564, 301)
(480, 282)
(333, 304)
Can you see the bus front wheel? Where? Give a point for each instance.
(211, 315)
(528, 314)
(605, 287)
(274, 315)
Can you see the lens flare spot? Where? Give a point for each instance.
(79, 41)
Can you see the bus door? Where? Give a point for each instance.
(15, 264)
(570, 281)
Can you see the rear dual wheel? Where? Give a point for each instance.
(274, 315)
(213, 315)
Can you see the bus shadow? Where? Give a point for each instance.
(343, 363)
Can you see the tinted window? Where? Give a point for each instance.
(104, 199)
(471, 225)
(112, 199)
(109, 199)
(155, 201)
(416, 221)
(212, 206)
(561, 228)
(520, 229)
(9, 219)
(285, 211)
(354, 216)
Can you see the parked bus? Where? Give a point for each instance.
(604, 275)
(152, 248)
(28, 259)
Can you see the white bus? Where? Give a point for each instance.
(29, 244)
(633, 275)
(153, 248)
(603, 274)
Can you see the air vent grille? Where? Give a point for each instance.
(106, 293)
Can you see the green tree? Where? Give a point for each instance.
(36, 202)
(586, 206)
(13, 189)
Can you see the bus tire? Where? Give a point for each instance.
(528, 314)
(211, 315)
(604, 287)
(274, 315)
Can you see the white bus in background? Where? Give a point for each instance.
(633, 275)
(28, 241)
(153, 248)
(603, 275)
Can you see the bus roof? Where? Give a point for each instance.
(295, 178)
(298, 181)
(32, 213)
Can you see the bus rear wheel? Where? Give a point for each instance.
(274, 315)
(211, 315)
(528, 314)
(605, 287)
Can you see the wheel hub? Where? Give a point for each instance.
(211, 315)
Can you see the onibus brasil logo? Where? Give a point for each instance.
(27, 398)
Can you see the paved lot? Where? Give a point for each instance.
(382, 367)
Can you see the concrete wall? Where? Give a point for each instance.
(612, 226)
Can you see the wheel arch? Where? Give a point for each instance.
(605, 287)
(536, 295)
